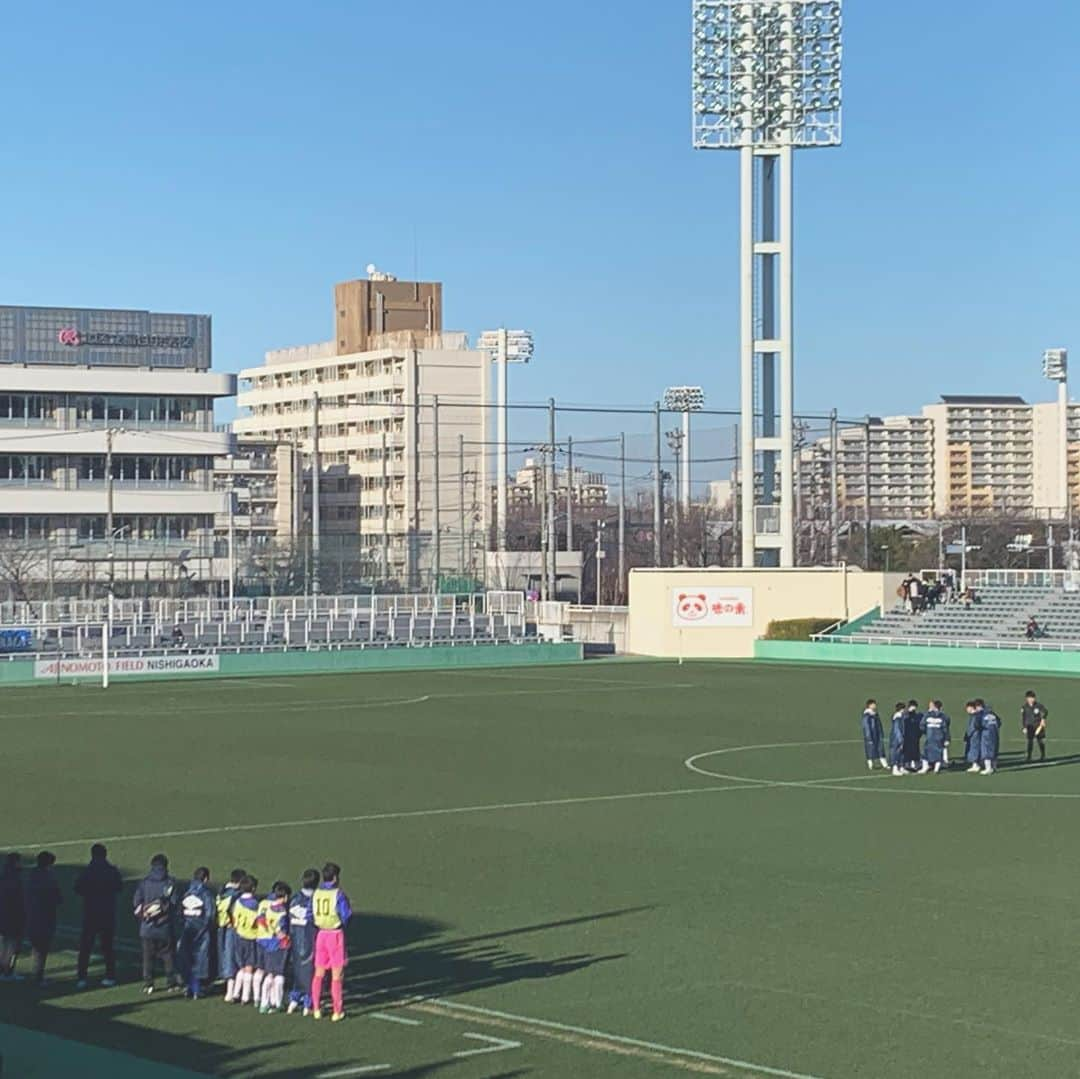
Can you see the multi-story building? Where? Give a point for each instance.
(529, 484)
(376, 416)
(900, 470)
(984, 455)
(1049, 474)
(107, 422)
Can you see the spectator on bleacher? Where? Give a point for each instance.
(915, 591)
(177, 636)
(1032, 630)
(98, 884)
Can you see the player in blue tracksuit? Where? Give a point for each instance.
(302, 932)
(973, 736)
(935, 728)
(198, 913)
(896, 739)
(989, 742)
(873, 735)
(912, 735)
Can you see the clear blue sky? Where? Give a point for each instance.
(239, 158)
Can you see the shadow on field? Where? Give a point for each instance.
(394, 958)
(1018, 759)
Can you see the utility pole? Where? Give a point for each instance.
(232, 555)
(834, 490)
(385, 513)
(570, 494)
(675, 444)
(461, 499)
(622, 513)
(658, 493)
(866, 489)
(316, 469)
(436, 527)
(106, 638)
(552, 505)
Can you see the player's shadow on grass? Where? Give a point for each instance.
(1018, 759)
(400, 958)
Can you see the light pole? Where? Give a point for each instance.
(885, 547)
(505, 346)
(675, 444)
(766, 81)
(685, 399)
(1056, 368)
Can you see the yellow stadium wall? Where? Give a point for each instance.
(833, 593)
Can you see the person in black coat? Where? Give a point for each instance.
(155, 907)
(43, 900)
(12, 916)
(98, 884)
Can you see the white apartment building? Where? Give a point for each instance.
(529, 484)
(386, 408)
(93, 401)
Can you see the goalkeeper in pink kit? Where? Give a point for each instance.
(331, 913)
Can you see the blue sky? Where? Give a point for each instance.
(240, 158)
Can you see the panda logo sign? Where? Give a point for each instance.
(694, 608)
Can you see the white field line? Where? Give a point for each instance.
(495, 1045)
(364, 818)
(833, 784)
(539, 1025)
(360, 1069)
(395, 1019)
(352, 703)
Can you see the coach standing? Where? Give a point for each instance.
(1033, 723)
(98, 885)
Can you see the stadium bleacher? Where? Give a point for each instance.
(75, 627)
(999, 614)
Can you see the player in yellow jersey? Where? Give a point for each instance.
(331, 911)
(245, 916)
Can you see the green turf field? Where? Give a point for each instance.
(546, 889)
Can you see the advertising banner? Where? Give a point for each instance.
(708, 608)
(119, 666)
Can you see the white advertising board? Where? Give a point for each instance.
(709, 608)
(119, 666)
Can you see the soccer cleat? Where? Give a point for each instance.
(148, 990)
(974, 768)
(81, 983)
(264, 1009)
(897, 770)
(292, 1007)
(988, 771)
(316, 1014)
(884, 763)
(937, 768)
(924, 768)
(337, 1017)
(108, 983)
(870, 765)
(307, 1012)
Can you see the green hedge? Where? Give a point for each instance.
(797, 629)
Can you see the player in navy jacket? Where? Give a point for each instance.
(896, 739)
(302, 931)
(990, 728)
(873, 735)
(935, 727)
(198, 913)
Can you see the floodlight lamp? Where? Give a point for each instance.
(1056, 364)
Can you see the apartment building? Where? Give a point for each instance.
(529, 484)
(1049, 473)
(389, 425)
(900, 468)
(984, 455)
(107, 442)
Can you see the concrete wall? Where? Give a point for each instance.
(833, 593)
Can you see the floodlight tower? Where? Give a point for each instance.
(1056, 368)
(685, 399)
(505, 346)
(766, 81)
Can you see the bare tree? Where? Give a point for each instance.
(23, 569)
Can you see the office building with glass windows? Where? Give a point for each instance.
(78, 387)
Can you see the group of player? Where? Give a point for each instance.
(258, 943)
(919, 741)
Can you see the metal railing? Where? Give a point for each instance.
(950, 642)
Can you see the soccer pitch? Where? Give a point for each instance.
(546, 888)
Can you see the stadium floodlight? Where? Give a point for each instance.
(1056, 368)
(767, 81)
(685, 399)
(505, 346)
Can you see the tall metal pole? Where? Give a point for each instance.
(787, 367)
(552, 505)
(436, 524)
(385, 513)
(106, 637)
(570, 496)
(316, 496)
(501, 452)
(232, 536)
(685, 479)
(622, 513)
(461, 500)
(834, 490)
(746, 353)
(658, 495)
(736, 488)
(868, 517)
(1063, 443)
